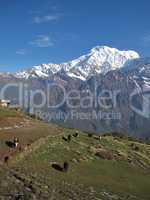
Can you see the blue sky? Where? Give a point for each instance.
(41, 31)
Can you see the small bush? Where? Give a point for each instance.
(134, 147)
(90, 135)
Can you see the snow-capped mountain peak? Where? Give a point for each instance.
(101, 59)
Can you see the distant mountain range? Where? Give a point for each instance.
(107, 69)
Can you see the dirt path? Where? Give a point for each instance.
(20, 125)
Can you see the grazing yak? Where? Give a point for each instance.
(66, 166)
(6, 158)
(76, 134)
(69, 138)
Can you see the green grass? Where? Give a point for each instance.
(115, 177)
(5, 112)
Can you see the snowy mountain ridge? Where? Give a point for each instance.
(100, 59)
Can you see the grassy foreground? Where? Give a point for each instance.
(121, 170)
(106, 168)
